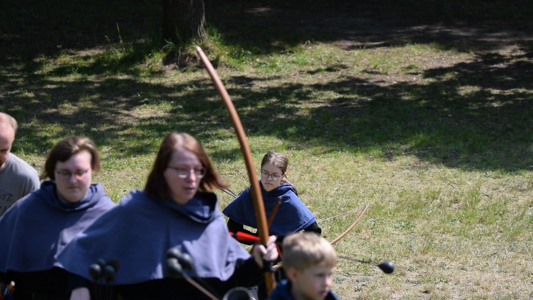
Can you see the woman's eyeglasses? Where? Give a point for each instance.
(186, 172)
(66, 174)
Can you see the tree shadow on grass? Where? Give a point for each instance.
(31, 29)
(457, 120)
(272, 26)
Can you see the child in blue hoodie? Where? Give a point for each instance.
(292, 215)
(308, 261)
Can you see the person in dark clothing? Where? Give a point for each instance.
(39, 225)
(176, 210)
(308, 261)
(291, 215)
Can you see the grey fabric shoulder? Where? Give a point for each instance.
(17, 179)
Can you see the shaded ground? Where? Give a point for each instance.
(31, 28)
(497, 34)
(467, 26)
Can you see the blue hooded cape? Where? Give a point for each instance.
(140, 230)
(292, 215)
(283, 292)
(39, 225)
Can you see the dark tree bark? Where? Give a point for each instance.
(183, 20)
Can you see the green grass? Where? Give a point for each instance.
(434, 133)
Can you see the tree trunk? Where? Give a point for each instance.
(183, 20)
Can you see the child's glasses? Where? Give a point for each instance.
(268, 175)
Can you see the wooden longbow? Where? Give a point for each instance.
(349, 228)
(257, 198)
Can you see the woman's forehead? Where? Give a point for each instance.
(184, 156)
(80, 159)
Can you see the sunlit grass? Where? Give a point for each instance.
(435, 138)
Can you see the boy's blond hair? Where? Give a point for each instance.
(305, 250)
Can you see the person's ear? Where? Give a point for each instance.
(292, 274)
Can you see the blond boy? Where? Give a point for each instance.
(308, 261)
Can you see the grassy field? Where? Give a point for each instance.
(420, 109)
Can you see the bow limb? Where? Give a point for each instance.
(257, 198)
(273, 212)
(279, 265)
(349, 228)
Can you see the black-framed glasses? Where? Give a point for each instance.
(186, 172)
(268, 175)
(66, 174)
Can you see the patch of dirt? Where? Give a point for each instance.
(183, 61)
